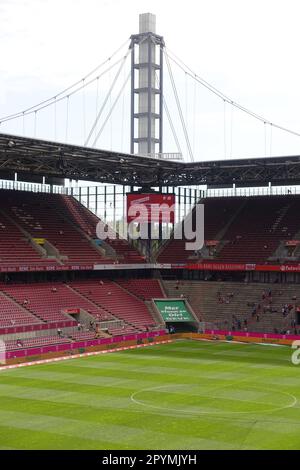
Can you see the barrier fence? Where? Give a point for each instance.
(39, 351)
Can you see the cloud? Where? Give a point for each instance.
(247, 49)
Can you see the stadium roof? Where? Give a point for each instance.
(29, 156)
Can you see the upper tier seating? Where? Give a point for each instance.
(15, 249)
(249, 230)
(258, 229)
(88, 221)
(39, 215)
(217, 213)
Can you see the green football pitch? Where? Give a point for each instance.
(181, 395)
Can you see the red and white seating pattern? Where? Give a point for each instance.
(37, 342)
(116, 300)
(249, 230)
(13, 315)
(88, 221)
(145, 289)
(15, 249)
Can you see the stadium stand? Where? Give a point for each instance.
(88, 221)
(145, 289)
(239, 306)
(237, 230)
(217, 212)
(117, 301)
(36, 342)
(46, 301)
(15, 248)
(245, 230)
(259, 228)
(12, 314)
(41, 218)
(67, 227)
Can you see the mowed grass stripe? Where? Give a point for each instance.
(125, 436)
(71, 404)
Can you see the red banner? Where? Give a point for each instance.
(239, 267)
(152, 207)
(292, 243)
(17, 269)
(217, 267)
(71, 310)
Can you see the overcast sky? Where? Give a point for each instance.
(247, 49)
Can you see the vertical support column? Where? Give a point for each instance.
(161, 76)
(125, 235)
(105, 202)
(132, 97)
(114, 207)
(149, 92)
(160, 225)
(143, 46)
(96, 201)
(88, 198)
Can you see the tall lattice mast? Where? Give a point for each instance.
(147, 88)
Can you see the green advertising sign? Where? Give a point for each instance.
(173, 310)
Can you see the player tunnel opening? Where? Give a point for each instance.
(181, 327)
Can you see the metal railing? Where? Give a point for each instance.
(252, 192)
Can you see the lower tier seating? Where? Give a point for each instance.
(145, 289)
(235, 305)
(116, 300)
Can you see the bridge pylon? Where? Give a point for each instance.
(147, 88)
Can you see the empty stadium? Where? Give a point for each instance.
(133, 341)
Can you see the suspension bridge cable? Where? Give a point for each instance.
(224, 130)
(106, 99)
(231, 129)
(111, 109)
(169, 117)
(265, 136)
(194, 114)
(186, 103)
(97, 102)
(54, 98)
(35, 116)
(123, 117)
(83, 111)
(271, 137)
(110, 121)
(179, 108)
(222, 96)
(55, 119)
(66, 96)
(172, 125)
(67, 119)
